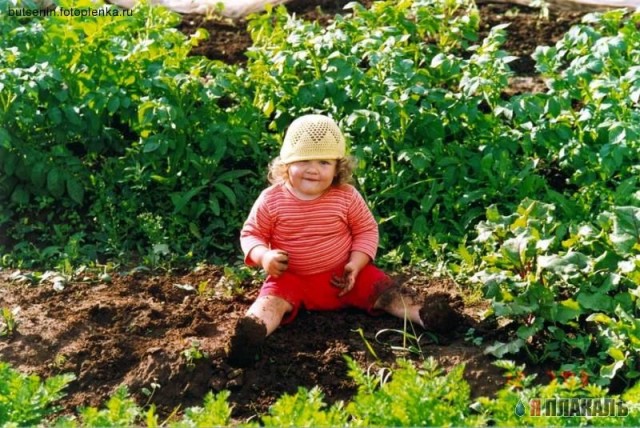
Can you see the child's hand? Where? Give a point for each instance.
(348, 279)
(275, 262)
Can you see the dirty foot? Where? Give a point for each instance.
(246, 342)
(441, 313)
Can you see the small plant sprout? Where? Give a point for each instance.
(410, 339)
(543, 5)
(193, 354)
(203, 289)
(470, 336)
(514, 374)
(59, 361)
(9, 323)
(149, 392)
(366, 343)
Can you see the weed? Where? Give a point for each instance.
(366, 343)
(193, 354)
(26, 400)
(410, 339)
(9, 323)
(149, 393)
(543, 5)
(470, 336)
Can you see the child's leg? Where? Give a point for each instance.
(262, 318)
(438, 313)
(400, 304)
(269, 310)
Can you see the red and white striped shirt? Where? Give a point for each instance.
(318, 235)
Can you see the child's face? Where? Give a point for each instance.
(310, 179)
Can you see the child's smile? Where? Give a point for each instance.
(310, 179)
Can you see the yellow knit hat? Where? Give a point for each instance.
(313, 136)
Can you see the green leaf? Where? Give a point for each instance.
(516, 250)
(75, 190)
(181, 199)
(55, 115)
(39, 175)
(596, 301)
(617, 134)
(568, 265)
(113, 105)
(150, 146)
(195, 231)
(214, 205)
(10, 163)
(55, 182)
(72, 115)
(616, 354)
(565, 311)
(526, 331)
(227, 192)
(500, 349)
(5, 138)
(232, 175)
(626, 229)
(600, 319)
(609, 371)
(20, 196)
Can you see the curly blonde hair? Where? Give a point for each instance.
(279, 171)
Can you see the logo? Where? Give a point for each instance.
(567, 407)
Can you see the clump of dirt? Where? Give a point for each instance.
(442, 313)
(246, 342)
(143, 331)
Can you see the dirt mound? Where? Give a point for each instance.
(157, 334)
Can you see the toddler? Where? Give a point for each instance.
(316, 239)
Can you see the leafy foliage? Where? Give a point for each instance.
(568, 386)
(562, 283)
(26, 400)
(114, 141)
(304, 409)
(413, 397)
(117, 144)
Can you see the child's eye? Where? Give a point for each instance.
(325, 163)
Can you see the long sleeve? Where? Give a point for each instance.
(257, 229)
(364, 227)
(319, 235)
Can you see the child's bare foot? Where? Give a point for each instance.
(441, 313)
(246, 342)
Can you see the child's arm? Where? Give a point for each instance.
(357, 261)
(274, 262)
(255, 237)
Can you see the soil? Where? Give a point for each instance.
(138, 330)
(142, 330)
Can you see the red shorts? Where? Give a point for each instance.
(316, 293)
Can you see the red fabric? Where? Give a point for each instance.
(315, 292)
